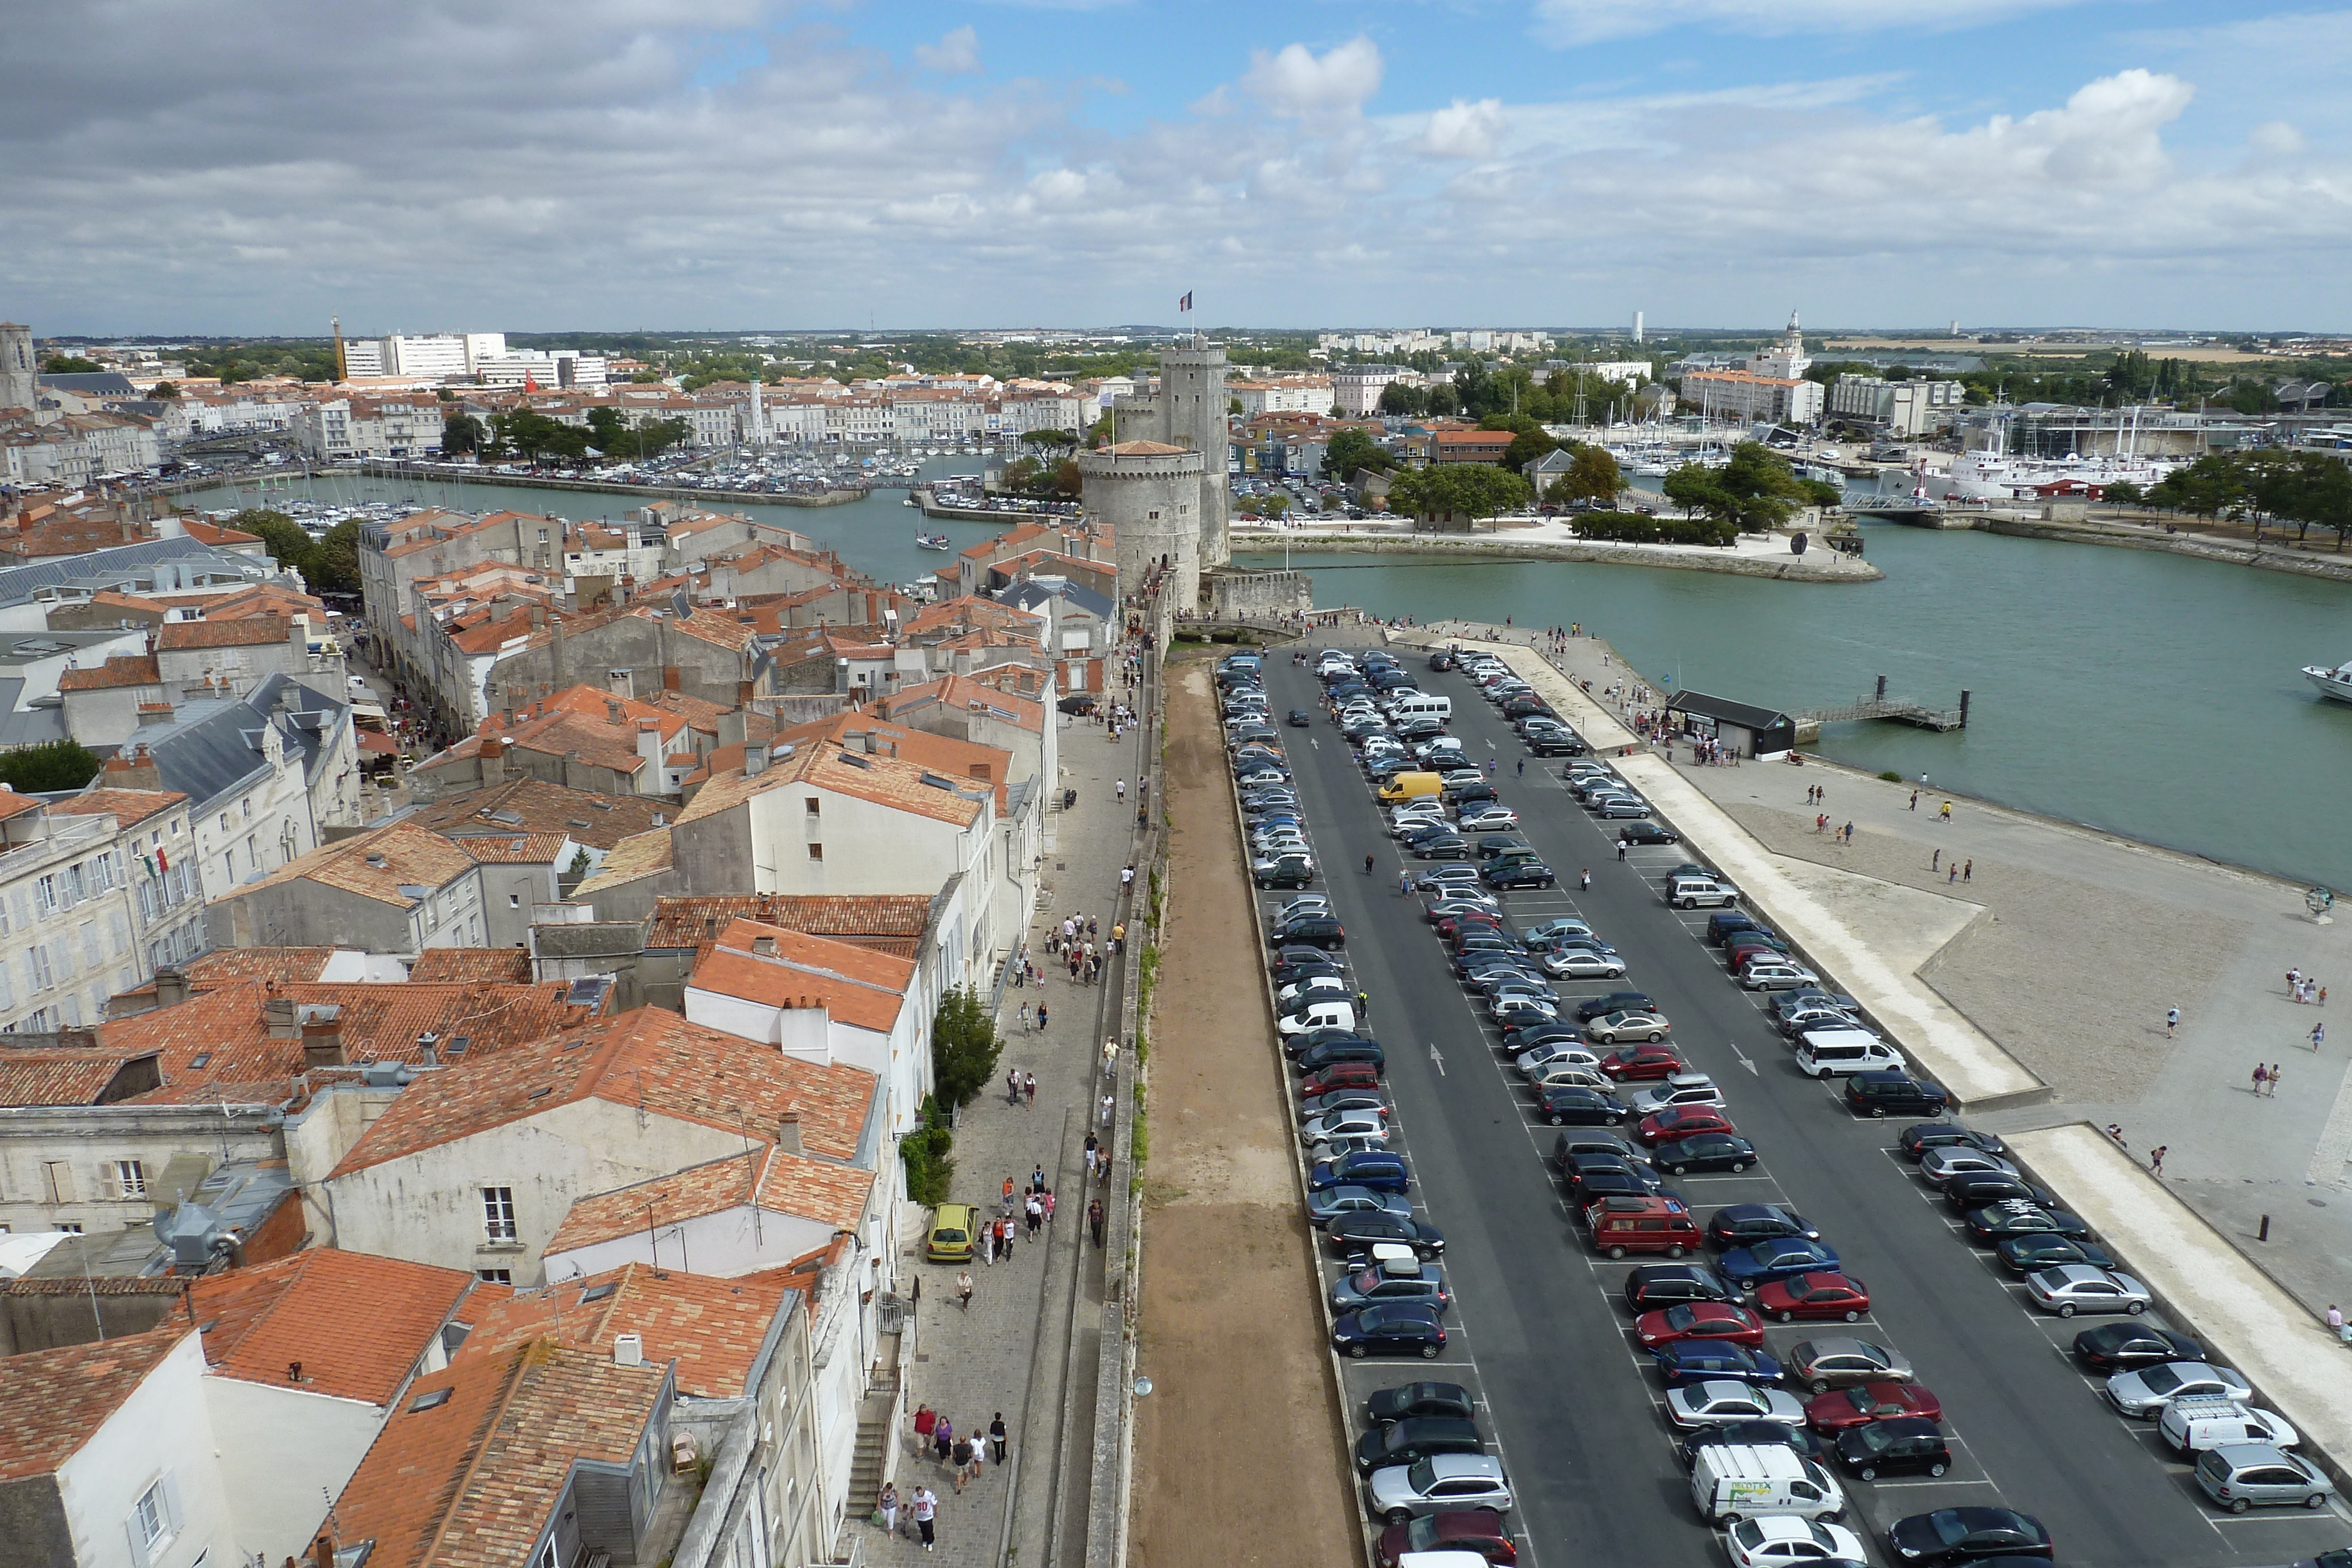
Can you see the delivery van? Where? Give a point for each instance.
(1421, 704)
(1835, 1052)
(1411, 786)
(1750, 1480)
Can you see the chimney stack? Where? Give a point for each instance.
(322, 1040)
(788, 1131)
(763, 947)
(612, 711)
(277, 1016)
(671, 680)
(171, 988)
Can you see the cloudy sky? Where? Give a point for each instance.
(225, 166)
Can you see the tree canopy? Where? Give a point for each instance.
(1466, 491)
(51, 766)
(1349, 451)
(1592, 475)
(965, 1046)
(1755, 491)
(461, 432)
(68, 365)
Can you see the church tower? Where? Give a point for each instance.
(20, 377)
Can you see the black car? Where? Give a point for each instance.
(1555, 743)
(1294, 963)
(1742, 1223)
(1489, 845)
(1655, 1285)
(1414, 1438)
(1407, 1400)
(1284, 871)
(1598, 1180)
(1081, 701)
(1568, 1146)
(1309, 931)
(1647, 833)
(1391, 1328)
(1296, 1046)
(1967, 1535)
(1901, 1445)
(1882, 1094)
(1301, 717)
(1978, 1189)
(1915, 1140)
(1573, 1105)
(1351, 1233)
(1751, 1433)
(1614, 1002)
(1521, 873)
(1318, 1058)
(1528, 1037)
(1999, 1222)
(2031, 1254)
(2120, 1347)
(1724, 921)
(1705, 1152)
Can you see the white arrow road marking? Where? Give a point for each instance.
(1742, 1055)
(1437, 1059)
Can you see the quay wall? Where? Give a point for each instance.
(605, 488)
(1823, 566)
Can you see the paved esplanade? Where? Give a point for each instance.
(1011, 1351)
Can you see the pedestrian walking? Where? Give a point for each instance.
(1935, 861)
(979, 1453)
(1404, 882)
(996, 1437)
(1048, 1199)
(1122, 791)
(2261, 1078)
(1095, 1220)
(1969, 871)
(1127, 876)
(1091, 1146)
(963, 1290)
(2336, 1322)
(1111, 1056)
(1584, 878)
(1523, 767)
(1946, 814)
(1025, 1023)
(1914, 799)
(2274, 1081)
(2318, 1036)
(926, 1510)
(1952, 877)
(2156, 1159)
(944, 1439)
(988, 1245)
(886, 1505)
(1849, 832)
(2171, 1021)
(2115, 1131)
(962, 1454)
(927, 1421)
(1012, 1086)
(1620, 849)
(1029, 1089)
(1041, 1018)
(1109, 1103)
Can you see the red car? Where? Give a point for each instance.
(1478, 1529)
(1834, 1413)
(1449, 927)
(1634, 1064)
(1701, 1319)
(1682, 1121)
(1814, 1297)
(1340, 1075)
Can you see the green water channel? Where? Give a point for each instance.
(2150, 695)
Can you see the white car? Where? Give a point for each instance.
(2073, 1288)
(1718, 1401)
(1442, 1483)
(1784, 1541)
(1358, 1123)
(1535, 1060)
(1680, 1089)
(1332, 985)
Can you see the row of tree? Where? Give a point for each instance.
(2303, 490)
(530, 435)
(328, 565)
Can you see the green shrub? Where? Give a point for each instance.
(931, 1173)
(1890, 775)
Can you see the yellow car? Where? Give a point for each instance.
(951, 1233)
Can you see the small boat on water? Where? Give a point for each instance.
(933, 541)
(2336, 683)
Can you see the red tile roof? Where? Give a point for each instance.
(538, 806)
(884, 780)
(251, 631)
(411, 857)
(855, 984)
(53, 1401)
(128, 806)
(784, 1183)
(70, 1076)
(358, 1323)
(120, 670)
(650, 1059)
(712, 1328)
(471, 966)
(890, 922)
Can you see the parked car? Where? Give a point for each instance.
(1655, 1285)
(2121, 1348)
(1753, 1434)
(1915, 1141)
(1786, 1257)
(1937, 1166)
(1391, 1328)
(1644, 1026)
(1814, 1298)
(1614, 1002)
(1378, 1171)
(1740, 1224)
(2073, 1288)
(1785, 1540)
(1679, 1121)
(1967, 1536)
(2239, 1476)
(1704, 1152)
(1720, 1401)
(1325, 1206)
(1900, 1445)
(1698, 1361)
(1575, 1105)
(1722, 1321)
(1822, 1365)
(1407, 1400)
(1829, 1413)
(1680, 1089)
(1478, 1529)
(1364, 1229)
(1880, 1093)
(1583, 964)
(1647, 833)
(1443, 1483)
(2145, 1390)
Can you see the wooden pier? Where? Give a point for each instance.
(1897, 710)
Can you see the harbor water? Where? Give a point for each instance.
(2148, 694)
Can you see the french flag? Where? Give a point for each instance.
(1185, 303)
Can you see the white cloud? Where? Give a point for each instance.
(956, 54)
(1592, 21)
(1298, 81)
(1463, 129)
(2277, 138)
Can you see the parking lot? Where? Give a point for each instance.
(1539, 1330)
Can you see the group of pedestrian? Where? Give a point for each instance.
(1815, 795)
(2302, 987)
(2266, 1080)
(1020, 1087)
(1037, 1020)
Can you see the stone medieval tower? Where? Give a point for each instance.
(19, 376)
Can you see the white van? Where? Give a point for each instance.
(1835, 1053)
(2192, 1425)
(1736, 1481)
(1421, 704)
(1319, 1012)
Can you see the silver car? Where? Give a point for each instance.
(1718, 1401)
(1534, 1060)
(1582, 964)
(2238, 1475)
(1344, 1125)
(1768, 977)
(1442, 1483)
(1822, 1365)
(1941, 1166)
(2071, 1288)
(1679, 1089)
(2145, 1391)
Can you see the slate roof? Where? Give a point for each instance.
(650, 1059)
(205, 753)
(1031, 594)
(92, 384)
(358, 1323)
(1747, 715)
(150, 559)
(53, 1401)
(713, 1328)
